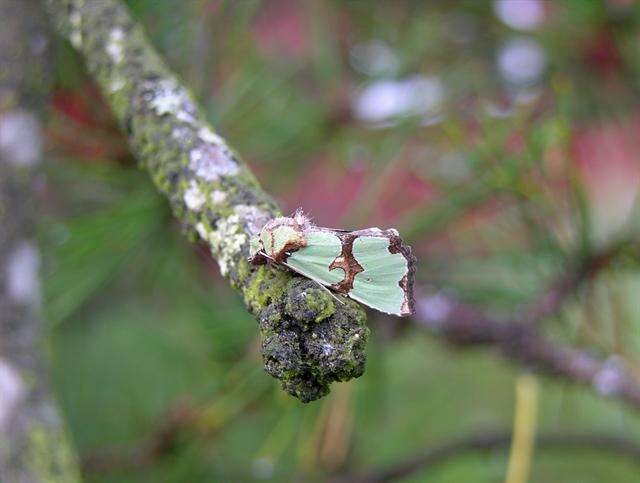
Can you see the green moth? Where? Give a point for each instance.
(371, 266)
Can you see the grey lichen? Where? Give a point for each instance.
(309, 339)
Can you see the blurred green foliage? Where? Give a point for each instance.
(489, 184)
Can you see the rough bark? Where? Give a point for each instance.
(33, 443)
(308, 340)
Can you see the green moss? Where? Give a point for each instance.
(50, 457)
(309, 304)
(265, 286)
(244, 269)
(317, 343)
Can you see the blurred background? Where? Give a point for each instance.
(502, 138)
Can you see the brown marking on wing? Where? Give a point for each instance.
(300, 242)
(406, 282)
(283, 254)
(395, 246)
(346, 262)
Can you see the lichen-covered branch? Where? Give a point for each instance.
(33, 443)
(308, 340)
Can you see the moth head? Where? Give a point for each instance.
(282, 235)
(301, 219)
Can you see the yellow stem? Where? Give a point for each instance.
(524, 429)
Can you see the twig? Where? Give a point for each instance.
(491, 441)
(216, 197)
(465, 326)
(520, 340)
(569, 283)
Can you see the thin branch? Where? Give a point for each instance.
(525, 345)
(570, 281)
(33, 442)
(216, 197)
(492, 441)
(521, 342)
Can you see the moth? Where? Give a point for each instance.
(372, 266)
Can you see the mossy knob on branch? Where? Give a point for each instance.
(308, 343)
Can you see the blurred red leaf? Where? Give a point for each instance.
(280, 29)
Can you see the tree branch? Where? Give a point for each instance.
(308, 341)
(578, 273)
(33, 443)
(492, 441)
(522, 342)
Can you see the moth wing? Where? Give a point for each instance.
(379, 285)
(313, 260)
(254, 246)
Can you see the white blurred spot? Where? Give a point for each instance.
(12, 391)
(115, 45)
(20, 137)
(374, 58)
(520, 14)
(76, 38)
(116, 84)
(434, 309)
(193, 197)
(218, 197)
(609, 379)
(76, 29)
(388, 99)
(521, 61)
(22, 282)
